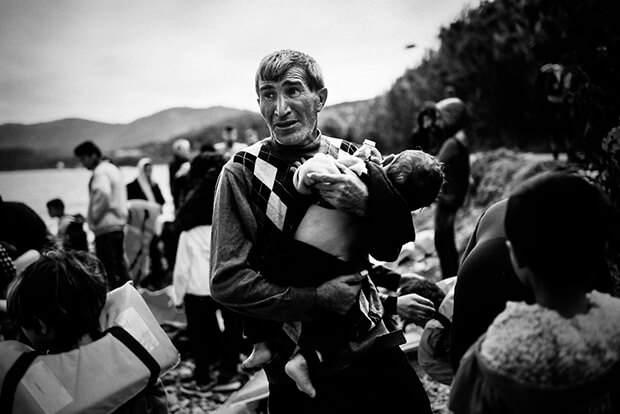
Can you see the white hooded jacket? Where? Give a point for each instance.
(107, 207)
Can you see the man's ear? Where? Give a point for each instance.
(322, 94)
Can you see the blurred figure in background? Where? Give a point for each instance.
(70, 232)
(144, 193)
(210, 346)
(143, 187)
(229, 145)
(177, 170)
(454, 154)
(21, 228)
(251, 136)
(556, 81)
(107, 212)
(426, 135)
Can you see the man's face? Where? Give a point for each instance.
(89, 161)
(290, 108)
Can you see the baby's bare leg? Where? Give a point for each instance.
(261, 354)
(297, 369)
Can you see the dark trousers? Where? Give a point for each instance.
(383, 382)
(205, 337)
(110, 249)
(233, 343)
(209, 344)
(445, 243)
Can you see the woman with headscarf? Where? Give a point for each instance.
(143, 187)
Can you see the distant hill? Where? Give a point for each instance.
(60, 137)
(43, 145)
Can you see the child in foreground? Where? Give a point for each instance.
(561, 354)
(332, 243)
(57, 301)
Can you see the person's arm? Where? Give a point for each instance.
(245, 290)
(159, 197)
(389, 221)
(100, 194)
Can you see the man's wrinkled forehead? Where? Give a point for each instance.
(291, 76)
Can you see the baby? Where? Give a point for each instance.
(328, 239)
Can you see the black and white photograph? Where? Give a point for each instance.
(171, 170)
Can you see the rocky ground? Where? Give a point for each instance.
(494, 174)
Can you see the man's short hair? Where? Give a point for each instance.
(417, 176)
(56, 203)
(87, 148)
(558, 225)
(275, 65)
(64, 289)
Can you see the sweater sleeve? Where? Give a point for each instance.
(234, 283)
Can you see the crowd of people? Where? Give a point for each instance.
(269, 258)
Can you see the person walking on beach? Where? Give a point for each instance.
(256, 213)
(107, 211)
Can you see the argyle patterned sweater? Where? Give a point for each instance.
(257, 210)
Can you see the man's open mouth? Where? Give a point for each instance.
(285, 124)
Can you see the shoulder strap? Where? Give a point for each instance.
(12, 378)
(135, 347)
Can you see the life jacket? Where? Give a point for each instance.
(139, 231)
(96, 378)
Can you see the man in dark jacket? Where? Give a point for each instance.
(454, 154)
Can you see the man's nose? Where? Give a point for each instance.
(282, 106)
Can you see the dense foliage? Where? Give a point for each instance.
(492, 55)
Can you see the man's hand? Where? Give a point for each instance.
(414, 307)
(344, 192)
(340, 294)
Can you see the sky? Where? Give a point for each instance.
(118, 60)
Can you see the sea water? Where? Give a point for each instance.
(36, 187)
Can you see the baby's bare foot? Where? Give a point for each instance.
(297, 369)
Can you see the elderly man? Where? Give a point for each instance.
(256, 213)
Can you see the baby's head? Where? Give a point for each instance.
(557, 226)
(417, 176)
(57, 299)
